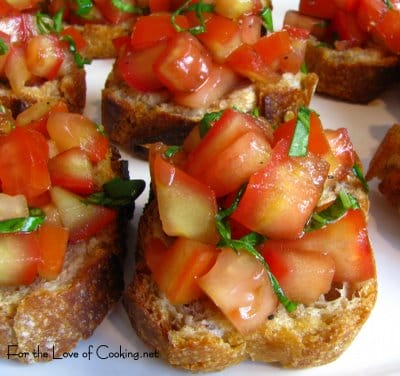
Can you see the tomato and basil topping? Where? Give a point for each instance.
(57, 188)
(201, 51)
(261, 235)
(349, 23)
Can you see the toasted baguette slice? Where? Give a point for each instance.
(70, 88)
(54, 315)
(385, 165)
(134, 118)
(356, 74)
(197, 337)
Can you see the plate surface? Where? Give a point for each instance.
(375, 351)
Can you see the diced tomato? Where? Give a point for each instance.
(313, 25)
(35, 117)
(238, 284)
(174, 190)
(19, 257)
(70, 130)
(159, 6)
(111, 13)
(24, 171)
(13, 206)
(72, 170)
(347, 5)
(274, 46)
(221, 81)
(121, 42)
(304, 276)
(317, 8)
(76, 36)
(388, 30)
(53, 242)
(54, 6)
(345, 24)
(280, 198)
(177, 268)
(16, 69)
(345, 240)
(5, 8)
(250, 28)
(222, 36)
(136, 67)
(81, 219)
(369, 13)
(235, 9)
(160, 26)
(184, 65)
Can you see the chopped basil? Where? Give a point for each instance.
(266, 16)
(172, 150)
(303, 68)
(80, 61)
(84, 7)
(3, 110)
(299, 144)
(388, 4)
(357, 171)
(26, 224)
(248, 243)
(127, 8)
(207, 120)
(332, 213)
(198, 8)
(117, 192)
(3, 47)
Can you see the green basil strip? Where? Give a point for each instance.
(299, 145)
(80, 61)
(45, 23)
(357, 171)
(266, 16)
(172, 150)
(303, 68)
(27, 224)
(3, 47)
(388, 4)
(332, 213)
(207, 120)
(127, 8)
(84, 7)
(198, 8)
(117, 192)
(248, 244)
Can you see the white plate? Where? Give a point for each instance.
(375, 351)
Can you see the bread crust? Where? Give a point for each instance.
(197, 337)
(70, 88)
(134, 118)
(54, 315)
(356, 75)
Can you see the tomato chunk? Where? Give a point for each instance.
(317, 8)
(177, 268)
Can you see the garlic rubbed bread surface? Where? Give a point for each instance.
(207, 332)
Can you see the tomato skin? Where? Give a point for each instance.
(5, 8)
(317, 8)
(24, 171)
(136, 67)
(346, 26)
(70, 130)
(52, 240)
(184, 65)
(159, 6)
(369, 13)
(76, 36)
(176, 268)
(19, 257)
(160, 26)
(111, 13)
(16, 69)
(388, 30)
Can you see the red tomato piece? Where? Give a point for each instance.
(53, 242)
(136, 67)
(250, 28)
(111, 13)
(304, 276)
(177, 268)
(369, 13)
(16, 69)
(159, 6)
(5, 8)
(23, 4)
(303, 24)
(345, 240)
(184, 65)
(238, 284)
(24, 171)
(174, 190)
(388, 30)
(81, 219)
(222, 36)
(160, 26)
(19, 257)
(280, 198)
(317, 8)
(345, 24)
(69, 130)
(76, 36)
(72, 170)
(346, 5)
(220, 82)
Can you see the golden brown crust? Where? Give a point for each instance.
(355, 75)
(133, 118)
(197, 337)
(71, 89)
(55, 315)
